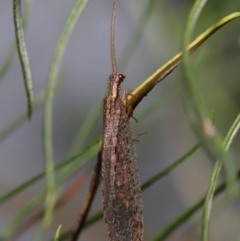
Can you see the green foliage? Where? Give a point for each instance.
(195, 102)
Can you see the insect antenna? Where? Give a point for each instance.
(112, 37)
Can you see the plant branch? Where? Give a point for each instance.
(89, 197)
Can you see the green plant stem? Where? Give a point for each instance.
(56, 235)
(197, 112)
(50, 90)
(213, 181)
(143, 89)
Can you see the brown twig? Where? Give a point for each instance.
(69, 192)
(89, 197)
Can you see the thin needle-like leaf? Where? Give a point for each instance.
(23, 55)
(10, 56)
(209, 199)
(56, 236)
(213, 181)
(196, 110)
(142, 90)
(50, 89)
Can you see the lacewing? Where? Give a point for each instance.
(121, 190)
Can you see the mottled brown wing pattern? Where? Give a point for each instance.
(122, 203)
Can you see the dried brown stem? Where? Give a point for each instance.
(89, 198)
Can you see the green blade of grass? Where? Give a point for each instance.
(213, 180)
(209, 199)
(64, 235)
(57, 234)
(54, 70)
(197, 112)
(23, 55)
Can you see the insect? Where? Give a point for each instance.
(121, 190)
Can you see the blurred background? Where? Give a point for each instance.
(85, 70)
